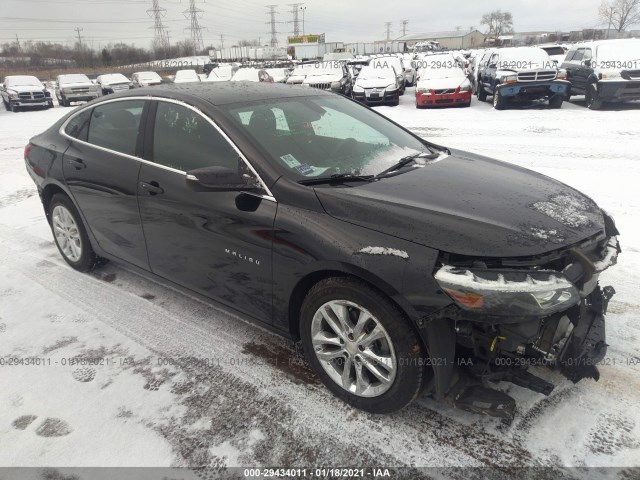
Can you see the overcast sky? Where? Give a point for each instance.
(108, 21)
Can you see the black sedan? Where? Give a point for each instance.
(400, 264)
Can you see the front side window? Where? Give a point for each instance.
(323, 135)
(183, 139)
(578, 55)
(116, 125)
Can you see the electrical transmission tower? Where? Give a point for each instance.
(295, 10)
(78, 30)
(404, 27)
(388, 27)
(161, 37)
(272, 21)
(194, 14)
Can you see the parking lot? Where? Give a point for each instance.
(183, 383)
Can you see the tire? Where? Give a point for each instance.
(396, 341)
(592, 98)
(499, 102)
(63, 101)
(482, 93)
(15, 108)
(6, 106)
(66, 224)
(465, 105)
(556, 101)
(396, 102)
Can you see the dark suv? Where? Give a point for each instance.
(400, 264)
(522, 74)
(604, 71)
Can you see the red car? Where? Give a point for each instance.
(441, 85)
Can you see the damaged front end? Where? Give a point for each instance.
(510, 314)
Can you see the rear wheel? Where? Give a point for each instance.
(482, 93)
(70, 235)
(361, 345)
(592, 98)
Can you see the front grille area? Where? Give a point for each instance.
(631, 74)
(30, 95)
(322, 86)
(537, 76)
(444, 91)
(80, 90)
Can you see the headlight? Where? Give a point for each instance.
(465, 86)
(66, 90)
(336, 85)
(358, 89)
(13, 95)
(611, 75)
(391, 88)
(562, 74)
(422, 90)
(509, 79)
(507, 292)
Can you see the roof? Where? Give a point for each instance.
(597, 43)
(223, 93)
(436, 35)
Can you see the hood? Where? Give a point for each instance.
(26, 88)
(440, 83)
(78, 85)
(470, 205)
(324, 78)
(375, 82)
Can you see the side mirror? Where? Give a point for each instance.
(221, 179)
(586, 63)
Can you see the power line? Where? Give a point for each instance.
(272, 21)
(161, 38)
(194, 14)
(295, 10)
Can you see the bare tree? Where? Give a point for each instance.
(621, 14)
(498, 22)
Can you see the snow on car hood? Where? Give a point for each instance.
(375, 82)
(323, 78)
(470, 205)
(26, 88)
(76, 85)
(440, 83)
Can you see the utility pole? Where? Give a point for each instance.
(18, 42)
(303, 10)
(610, 19)
(221, 41)
(388, 27)
(78, 30)
(161, 37)
(272, 21)
(295, 10)
(404, 27)
(194, 13)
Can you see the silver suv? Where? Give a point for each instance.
(75, 87)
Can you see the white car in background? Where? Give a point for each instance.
(24, 91)
(555, 52)
(222, 73)
(145, 79)
(186, 76)
(252, 75)
(299, 74)
(377, 85)
(113, 82)
(75, 87)
(279, 75)
(392, 61)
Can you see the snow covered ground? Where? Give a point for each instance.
(105, 392)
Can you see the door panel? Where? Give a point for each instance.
(104, 185)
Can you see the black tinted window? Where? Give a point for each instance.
(78, 126)
(115, 125)
(185, 140)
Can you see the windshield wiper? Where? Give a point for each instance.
(407, 160)
(336, 178)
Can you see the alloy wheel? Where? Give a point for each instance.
(67, 233)
(353, 348)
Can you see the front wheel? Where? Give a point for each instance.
(70, 235)
(482, 93)
(499, 102)
(556, 101)
(361, 345)
(592, 98)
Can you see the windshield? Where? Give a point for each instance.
(524, 58)
(370, 73)
(323, 135)
(149, 77)
(246, 74)
(554, 50)
(620, 52)
(433, 73)
(113, 78)
(22, 81)
(386, 62)
(76, 78)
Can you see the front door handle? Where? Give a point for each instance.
(152, 187)
(77, 163)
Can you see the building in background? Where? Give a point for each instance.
(449, 40)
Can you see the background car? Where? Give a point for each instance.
(145, 79)
(75, 88)
(298, 74)
(279, 75)
(333, 76)
(447, 85)
(377, 85)
(556, 52)
(113, 82)
(397, 63)
(604, 71)
(222, 73)
(24, 91)
(186, 76)
(251, 75)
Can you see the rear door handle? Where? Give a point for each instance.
(152, 187)
(77, 163)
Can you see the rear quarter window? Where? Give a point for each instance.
(78, 126)
(116, 126)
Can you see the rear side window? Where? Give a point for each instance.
(116, 125)
(78, 126)
(185, 140)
